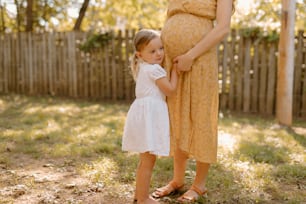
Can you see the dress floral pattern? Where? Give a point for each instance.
(193, 110)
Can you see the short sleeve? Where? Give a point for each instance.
(157, 72)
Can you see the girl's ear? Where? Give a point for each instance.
(138, 54)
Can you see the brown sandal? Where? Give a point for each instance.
(185, 198)
(169, 189)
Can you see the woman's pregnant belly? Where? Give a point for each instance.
(182, 31)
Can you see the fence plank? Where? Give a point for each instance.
(130, 84)
(113, 70)
(263, 79)
(246, 76)
(255, 79)
(271, 86)
(303, 109)
(107, 72)
(232, 71)
(22, 43)
(239, 79)
(72, 73)
(2, 66)
(297, 88)
(7, 49)
(223, 62)
(35, 64)
(13, 63)
(119, 64)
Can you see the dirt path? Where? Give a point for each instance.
(46, 181)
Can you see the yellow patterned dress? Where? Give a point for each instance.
(194, 109)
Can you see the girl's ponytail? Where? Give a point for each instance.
(134, 66)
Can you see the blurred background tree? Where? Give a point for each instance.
(266, 15)
(98, 15)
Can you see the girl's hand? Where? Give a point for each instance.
(183, 62)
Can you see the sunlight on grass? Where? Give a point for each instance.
(258, 161)
(226, 140)
(64, 128)
(104, 170)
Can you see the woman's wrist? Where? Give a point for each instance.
(190, 55)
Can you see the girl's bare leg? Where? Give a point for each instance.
(143, 178)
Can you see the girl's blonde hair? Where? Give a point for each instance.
(141, 39)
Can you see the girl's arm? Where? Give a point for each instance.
(166, 86)
(224, 12)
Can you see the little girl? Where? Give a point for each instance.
(147, 125)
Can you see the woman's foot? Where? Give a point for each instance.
(171, 188)
(193, 194)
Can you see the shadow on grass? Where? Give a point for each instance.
(258, 153)
(298, 137)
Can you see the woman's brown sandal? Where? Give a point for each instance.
(186, 199)
(169, 189)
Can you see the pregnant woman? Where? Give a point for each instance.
(190, 36)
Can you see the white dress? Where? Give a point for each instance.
(147, 123)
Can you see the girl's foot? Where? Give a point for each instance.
(148, 201)
(169, 189)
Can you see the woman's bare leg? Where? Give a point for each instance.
(180, 161)
(199, 183)
(201, 175)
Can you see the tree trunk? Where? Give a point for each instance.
(2, 29)
(82, 12)
(18, 20)
(29, 16)
(286, 64)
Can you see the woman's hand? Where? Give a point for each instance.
(183, 62)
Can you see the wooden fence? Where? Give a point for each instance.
(53, 64)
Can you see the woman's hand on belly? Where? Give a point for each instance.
(183, 62)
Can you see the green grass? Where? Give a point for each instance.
(258, 161)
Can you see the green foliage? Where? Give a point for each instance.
(44, 14)
(259, 33)
(60, 15)
(100, 15)
(253, 32)
(95, 41)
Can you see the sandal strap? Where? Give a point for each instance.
(171, 187)
(198, 190)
